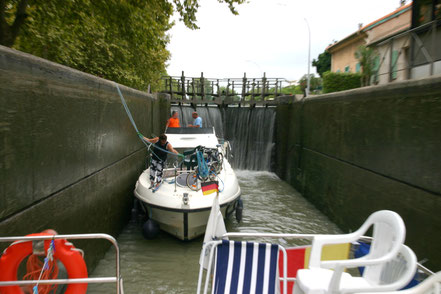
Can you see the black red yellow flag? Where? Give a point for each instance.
(209, 187)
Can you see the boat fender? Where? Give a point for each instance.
(64, 251)
(150, 229)
(239, 209)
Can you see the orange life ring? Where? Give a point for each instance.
(16, 252)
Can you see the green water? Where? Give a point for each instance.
(168, 265)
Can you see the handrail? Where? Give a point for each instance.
(184, 89)
(271, 235)
(117, 279)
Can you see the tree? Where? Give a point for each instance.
(12, 17)
(366, 58)
(188, 9)
(231, 93)
(323, 63)
(315, 83)
(128, 47)
(120, 40)
(292, 90)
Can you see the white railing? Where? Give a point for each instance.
(116, 279)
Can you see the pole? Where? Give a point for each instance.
(309, 60)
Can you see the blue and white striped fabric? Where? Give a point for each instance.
(246, 268)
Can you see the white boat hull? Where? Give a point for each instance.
(186, 221)
(185, 224)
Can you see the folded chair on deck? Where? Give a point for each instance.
(389, 265)
(243, 267)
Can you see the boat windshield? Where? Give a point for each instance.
(173, 160)
(189, 131)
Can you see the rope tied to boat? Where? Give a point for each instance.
(141, 136)
(49, 269)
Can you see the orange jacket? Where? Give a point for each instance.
(173, 123)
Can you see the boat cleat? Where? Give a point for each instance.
(185, 198)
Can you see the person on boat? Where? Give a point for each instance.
(173, 121)
(159, 156)
(197, 123)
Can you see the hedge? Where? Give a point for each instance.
(334, 82)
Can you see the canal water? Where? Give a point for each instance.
(168, 265)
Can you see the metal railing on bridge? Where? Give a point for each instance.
(202, 90)
(414, 53)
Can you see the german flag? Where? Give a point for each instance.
(209, 187)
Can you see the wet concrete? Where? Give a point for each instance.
(355, 152)
(69, 156)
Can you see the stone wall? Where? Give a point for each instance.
(69, 156)
(355, 152)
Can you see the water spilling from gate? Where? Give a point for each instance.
(249, 130)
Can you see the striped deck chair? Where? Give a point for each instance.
(243, 267)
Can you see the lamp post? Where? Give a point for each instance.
(309, 59)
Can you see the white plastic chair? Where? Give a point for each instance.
(387, 241)
(431, 285)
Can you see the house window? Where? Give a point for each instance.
(394, 65)
(425, 11)
(357, 67)
(338, 70)
(437, 11)
(347, 69)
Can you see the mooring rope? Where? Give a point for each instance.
(132, 121)
(46, 268)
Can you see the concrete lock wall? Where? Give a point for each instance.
(355, 152)
(69, 156)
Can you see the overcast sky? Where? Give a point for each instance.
(267, 36)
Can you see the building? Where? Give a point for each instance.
(392, 46)
(425, 37)
(343, 53)
(392, 56)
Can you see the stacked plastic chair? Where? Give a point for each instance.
(389, 265)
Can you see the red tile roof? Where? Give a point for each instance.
(404, 7)
(388, 15)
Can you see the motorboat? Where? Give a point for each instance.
(179, 206)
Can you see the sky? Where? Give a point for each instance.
(268, 36)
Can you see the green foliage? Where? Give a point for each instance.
(12, 17)
(315, 83)
(128, 46)
(292, 90)
(366, 57)
(334, 82)
(323, 63)
(120, 40)
(188, 8)
(231, 93)
(288, 90)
